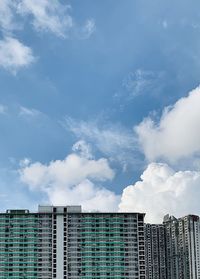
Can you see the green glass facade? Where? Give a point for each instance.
(65, 243)
(105, 246)
(18, 245)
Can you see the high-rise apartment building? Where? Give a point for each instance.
(172, 248)
(63, 242)
(182, 247)
(18, 244)
(155, 251)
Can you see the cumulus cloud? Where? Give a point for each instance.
(162, 191)
(113, 141)
(177, 134)
(74, 180)
(14, 54)
(173, 138)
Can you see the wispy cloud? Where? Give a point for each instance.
(14, 54)
(114, 141)
(7, 20)
(142, 81)
(44, 15)
(47, 15)
(28, 112)
(54, 17)
(24, 162)
(3, 109)
(87, 30)
(83, 148)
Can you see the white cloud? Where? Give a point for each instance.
(142, 81)
(71, 181)
(87, 30)
(83, 148)
(177, 134)
(107, 138)
(3, 109)
(112, 140)
(14, 55)
(174, 138)
(7, 22)
(28, 112)
(24, 162)
(12, 192)
(47, 15)
(162, 191)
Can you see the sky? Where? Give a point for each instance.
(100, 105)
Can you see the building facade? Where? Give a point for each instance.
(182, 247)
(63, 242)
(172, 248)
(18, 244)
(155, 251)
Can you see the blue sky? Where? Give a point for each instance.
(85, 86)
